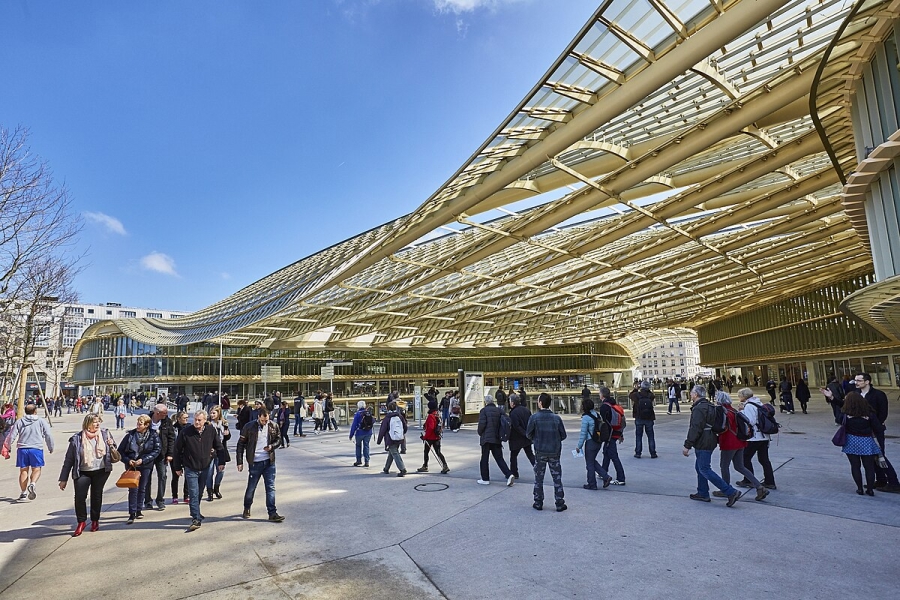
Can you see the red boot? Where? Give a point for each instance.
(78, 530)
(95, 525)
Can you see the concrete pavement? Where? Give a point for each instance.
(353, 532)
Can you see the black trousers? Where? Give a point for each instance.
(761, 450)
(436, 444)
(92, 481)
(515, 446)
(495, 450)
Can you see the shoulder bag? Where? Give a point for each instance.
(840, 436)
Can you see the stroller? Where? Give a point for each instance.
(455, 420)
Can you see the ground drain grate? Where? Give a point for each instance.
(431, 487)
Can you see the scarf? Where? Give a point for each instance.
(86, 439)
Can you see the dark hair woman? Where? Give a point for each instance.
(139, 448)
(861, 447)
(89, 462)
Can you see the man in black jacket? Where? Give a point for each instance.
(518, 440)
(489, 434)
(644, 416)
(258, 441)
(885, 479)
(162, 425)
(192, 457)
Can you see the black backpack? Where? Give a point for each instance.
(366, 423)
(505, 427)
(765, 419)
(743, 426)
(602, 430)
(645, 408)
(719, 419)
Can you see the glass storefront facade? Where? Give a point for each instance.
(119, 359)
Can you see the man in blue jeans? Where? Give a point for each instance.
(701, 437)
(194, 449)
(258, 441)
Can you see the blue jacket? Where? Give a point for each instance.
(354, 427)
(546, 431)
(587, 428)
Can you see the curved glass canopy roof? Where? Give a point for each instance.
(663, 173)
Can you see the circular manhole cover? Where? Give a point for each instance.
(431, 487)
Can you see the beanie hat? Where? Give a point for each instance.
(432, 405)
(645, 385)
(361, 404)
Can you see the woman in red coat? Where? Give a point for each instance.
(732, 449)
(432, 438)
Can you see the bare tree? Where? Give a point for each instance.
(38, 227)
(37, 219)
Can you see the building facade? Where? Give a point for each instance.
(673, 359)
(58, 329)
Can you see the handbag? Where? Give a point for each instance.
(129, 479)
(840, 436)
(114, 455)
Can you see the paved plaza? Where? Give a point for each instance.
(357, 533)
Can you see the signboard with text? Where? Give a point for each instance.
(270, 374)
(474, 393)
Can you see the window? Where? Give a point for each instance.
(151, 315)
(48, 364)
(109, 312)
(127, 314)
(175, 316)
(74, 310)
(60, 364)
(90, 311)
(49, 353)
(680, 344)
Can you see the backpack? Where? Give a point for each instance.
(367, 422)
(719, 419)
(505, 427)
(765, 419)
(743, 426)
(396, 429)
(645, 408)
(329, 405)
(617, 420)
(602, 430)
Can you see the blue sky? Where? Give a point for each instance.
(208, 144)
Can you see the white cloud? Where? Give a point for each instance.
(226, 275)
(159, 262)
(112, 224)
(464, 6)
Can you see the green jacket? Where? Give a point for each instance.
(700, 434)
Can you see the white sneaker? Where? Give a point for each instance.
(31, 493)
(23, 496)
(483, 482)
(617, 482)
(511, 480)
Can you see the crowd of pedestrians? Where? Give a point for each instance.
(194, 451)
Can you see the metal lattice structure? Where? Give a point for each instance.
(664, 173)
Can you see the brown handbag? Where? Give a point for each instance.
(129, 479)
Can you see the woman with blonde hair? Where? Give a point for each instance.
(214, 479)
(89, 462)
(139, 448)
